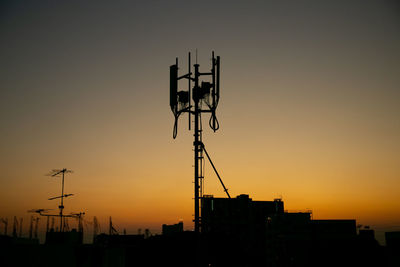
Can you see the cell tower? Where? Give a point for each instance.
(205, 98)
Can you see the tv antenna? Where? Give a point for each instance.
(205, 97)
(20, 227)
(39, 211)
(79, 217)
(33, 228)
(43, 212)
(65, 195)
(111, 228)
(58, 173)
(15, 227)
(5, 221)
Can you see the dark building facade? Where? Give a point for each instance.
(237, 215)
(172, 229)
(237, 228)
(263, 234)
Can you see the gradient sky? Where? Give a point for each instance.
(309, 110)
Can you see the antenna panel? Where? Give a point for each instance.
(173, 87)
(217, 80)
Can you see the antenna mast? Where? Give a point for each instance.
(42, 212)
(61, 207)
(5, 221)
(20, 227)
(206, 98)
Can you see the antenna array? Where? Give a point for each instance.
(205, 97)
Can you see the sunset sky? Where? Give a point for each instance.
(309, 109)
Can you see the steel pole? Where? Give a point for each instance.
(196, 150)
(62, 202)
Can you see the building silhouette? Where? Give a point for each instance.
(235, 232)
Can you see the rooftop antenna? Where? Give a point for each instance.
(65, 195)
(57, 173)
(147, 233)
(43, 212)
(112, 230)
(66, 225)
(36, 227)
(31, 228)
(79, 217)
(96, 227)
(47, 224)
(15, 227)
(20, 227)
(5, 221)
(205, 97)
